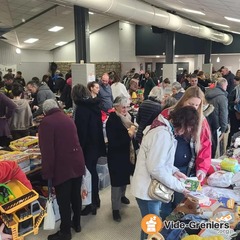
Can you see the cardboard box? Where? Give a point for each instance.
(212, 205)
(15, 156)
(24, 143)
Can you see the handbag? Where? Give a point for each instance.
(158, 191)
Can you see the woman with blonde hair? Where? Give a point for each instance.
(191, 157)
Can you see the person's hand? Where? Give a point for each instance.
(35, 107)
(179, 175)
(3, 235)
(200, 175)
(131, 131)
(186, 192)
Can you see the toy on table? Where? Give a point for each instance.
(226, 202)
(230, 164)
(192, 184)
(6, 194)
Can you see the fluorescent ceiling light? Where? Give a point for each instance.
(232, 19)
(60, 43)
(157, 56)
(55, 29)
(31, 40)
(91, 13)
(193, 11)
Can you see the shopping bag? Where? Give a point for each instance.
(49, 220)
(86, 188)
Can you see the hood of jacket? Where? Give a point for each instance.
(161, 119)
(21, 104)
(217, 91)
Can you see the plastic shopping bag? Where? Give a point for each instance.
(86, 188)
(49, 220)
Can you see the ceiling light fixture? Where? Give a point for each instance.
(18, 50)
(31, 40)
(55, 29)
(60, 43)
(193, 11)
(157, 56)
(91, 13)
(232, 19)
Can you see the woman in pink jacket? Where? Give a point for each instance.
(192, 158)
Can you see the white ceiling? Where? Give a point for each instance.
(17, 14)
(14, 12)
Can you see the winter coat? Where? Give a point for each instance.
(155, 159)
(230, 78)
(7, 108)
(9, 170)
(62, 156)
(43, 94)
(149, 84)
(22, 116)
(105, 94)
(218, 98)
(147, 112)
(89, 127)
(119, 89)
(120, 167)
(66, 94)
(203, 157)
(178, 95)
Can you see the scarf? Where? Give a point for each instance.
(127, 123)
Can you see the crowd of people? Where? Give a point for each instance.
(176, 133)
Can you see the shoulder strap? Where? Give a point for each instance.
(191, 164)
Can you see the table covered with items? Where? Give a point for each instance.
(211, 210)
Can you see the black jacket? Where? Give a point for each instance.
(89, 127)
(147, 112)
(119, 164)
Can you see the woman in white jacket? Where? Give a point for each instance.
(156, 157)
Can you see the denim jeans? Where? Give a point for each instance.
(167, 208)
(148, 207)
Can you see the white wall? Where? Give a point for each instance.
(65, 53)
(230, 61)
(32, 63)
(104, 44)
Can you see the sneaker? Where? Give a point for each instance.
(116, 216)
(60, 236)
(125, 200)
